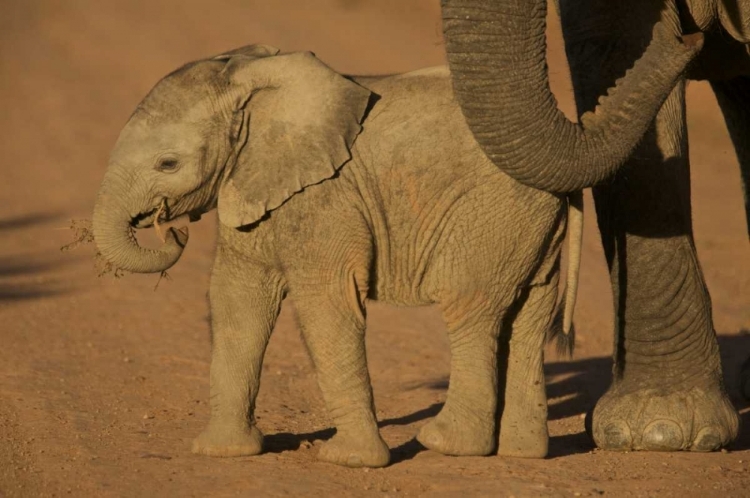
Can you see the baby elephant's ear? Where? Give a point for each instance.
(299, 119)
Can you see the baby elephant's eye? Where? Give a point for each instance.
(168, 165)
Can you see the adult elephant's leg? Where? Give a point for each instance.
(245, 302)
(667, 391)
(734, 99)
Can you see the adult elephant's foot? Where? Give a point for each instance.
(356, 450)
(451, 433)
(228, 441)
(692, 417)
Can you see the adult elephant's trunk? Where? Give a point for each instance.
(117, 244)
(496, 51)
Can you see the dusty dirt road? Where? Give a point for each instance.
(104, 383)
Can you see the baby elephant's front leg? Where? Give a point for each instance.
(245, 303)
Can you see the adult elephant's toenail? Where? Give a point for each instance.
(663, 435)
(614, 436)
(354, 460)
(708, 439)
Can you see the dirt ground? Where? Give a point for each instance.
(103, 382)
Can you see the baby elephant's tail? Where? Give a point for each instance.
(562, 330)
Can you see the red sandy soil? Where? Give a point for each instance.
(103, 382)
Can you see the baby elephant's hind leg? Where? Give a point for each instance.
(335, 337)
(523, 422)
(466, 424)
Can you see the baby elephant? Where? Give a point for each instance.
(334, 190)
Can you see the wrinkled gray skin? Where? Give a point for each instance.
(411, 213)
(667, 391)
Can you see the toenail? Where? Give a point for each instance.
(615, 436)
(354, 461)
(663, 435)
(708, 439)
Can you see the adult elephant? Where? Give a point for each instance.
(667, 391)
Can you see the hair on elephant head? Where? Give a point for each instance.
(245, 130)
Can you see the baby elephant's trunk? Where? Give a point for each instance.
(115, 240)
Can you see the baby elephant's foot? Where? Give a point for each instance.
(356, 450)
(526, 438)
(229, 441)
(451, 434)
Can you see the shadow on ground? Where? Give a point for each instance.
(285, 441)
(582, 383)
(22, 274)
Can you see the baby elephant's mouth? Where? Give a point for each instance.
(146, 219)
(143, 220)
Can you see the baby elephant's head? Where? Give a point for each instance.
(245, 130)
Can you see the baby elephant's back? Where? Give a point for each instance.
(415, 141)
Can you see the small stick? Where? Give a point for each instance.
(163, 275)
(156, 220)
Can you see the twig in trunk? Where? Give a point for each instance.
(156, 220)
